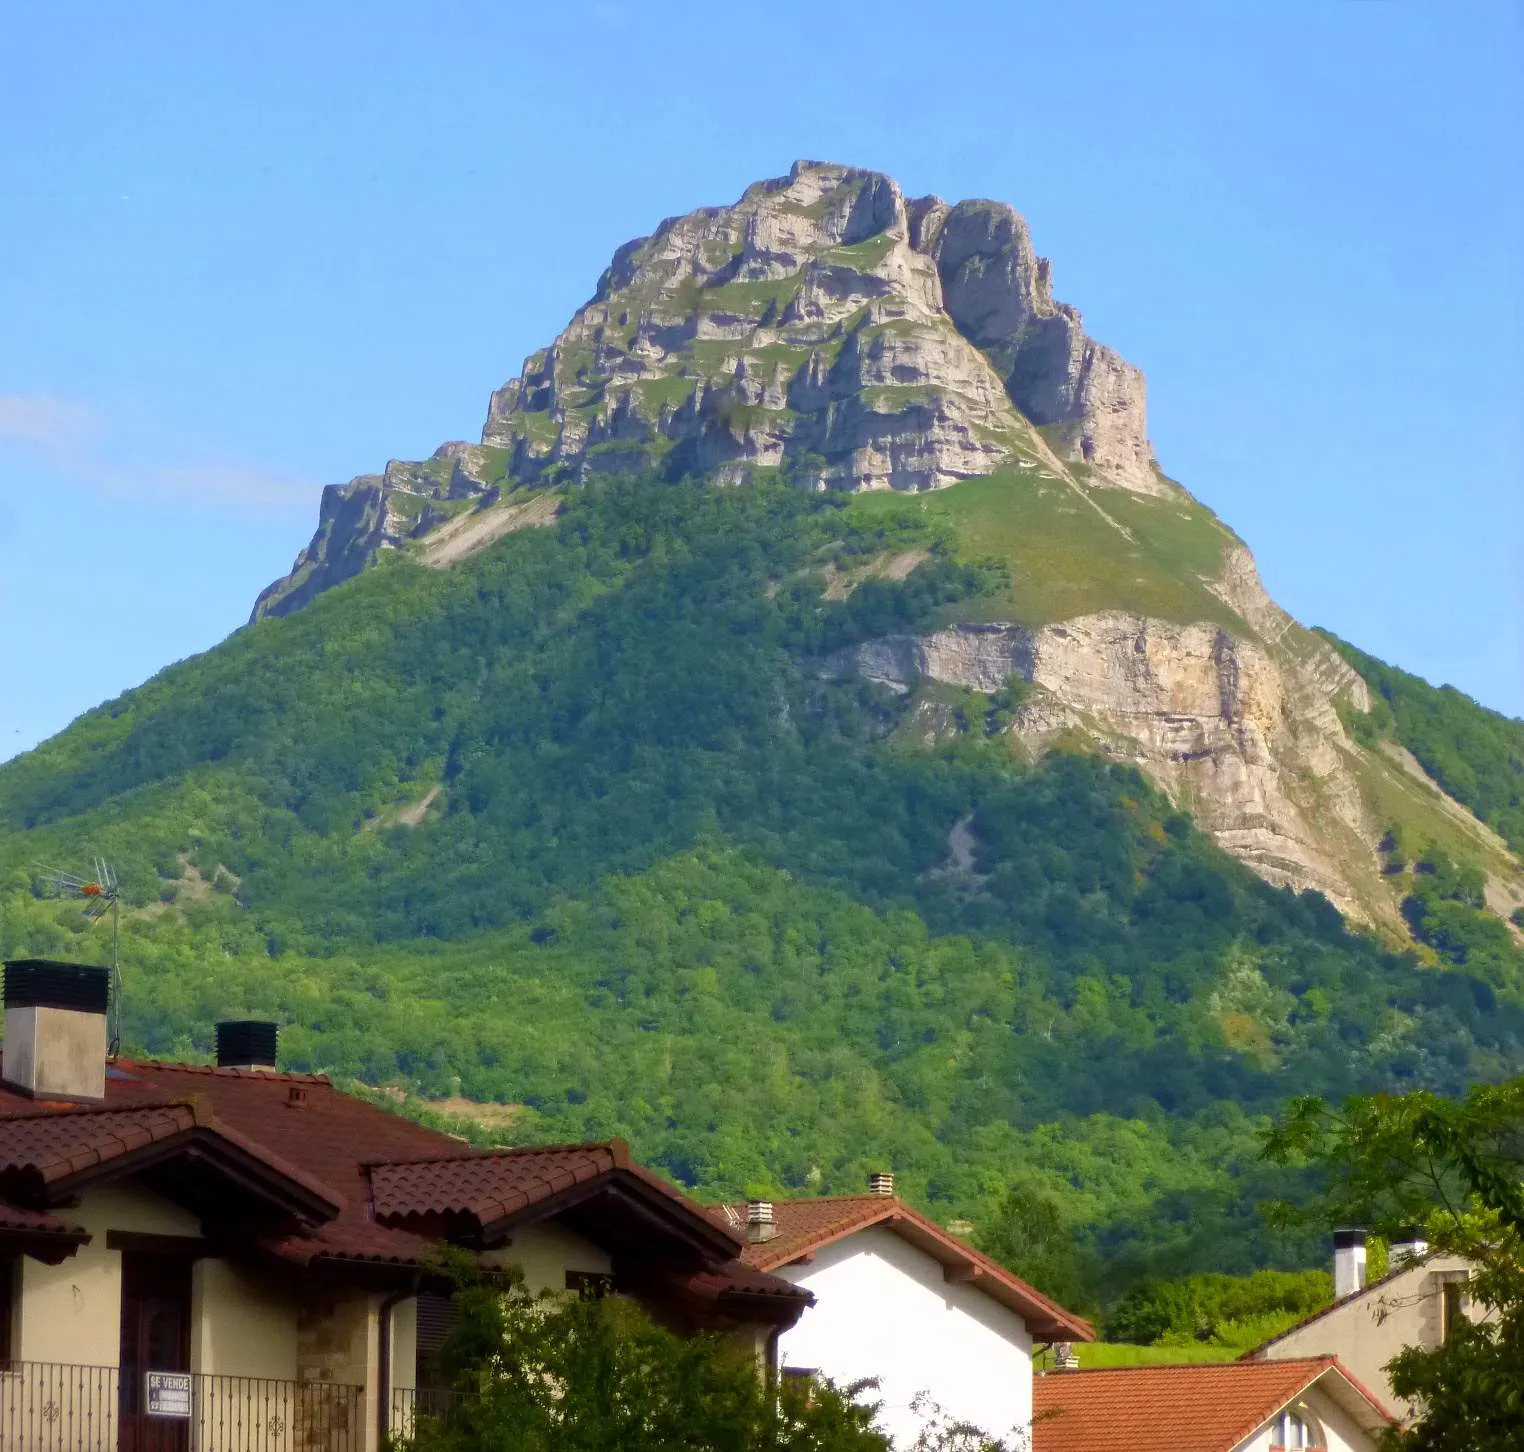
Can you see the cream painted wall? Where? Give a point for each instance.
(240, 1325)
(1370, 1328)
(1341, 1432)
(884, 1309)
(72, 1312)
(405, 1343)
(546, 1251)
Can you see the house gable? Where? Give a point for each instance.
(1223, 1407)
(1366, 1330)
(886, 1308)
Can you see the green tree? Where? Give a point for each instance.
(595, 1374)
(1456, 1169)
(1030, 1236)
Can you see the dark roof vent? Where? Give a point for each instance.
(246, 1043)
(42, 983)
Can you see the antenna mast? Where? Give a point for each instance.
(101, 894)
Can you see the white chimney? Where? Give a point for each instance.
(55, 1029)
(1409, 1248)
(881, 1182)
(759, 1221)
(1349, 1263)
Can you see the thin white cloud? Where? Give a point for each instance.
(72, 438)
(58, 427)
(227, 484)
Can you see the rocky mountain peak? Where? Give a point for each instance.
(871, 343)
(823, 325)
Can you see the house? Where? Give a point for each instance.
(898, 1298)
(233, 1258)
(1415, 1304)
(1232, 1407)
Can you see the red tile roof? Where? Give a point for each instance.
(371, 1167)
(488, 1186)
(806, 1226)
(1205, 1408)
(52, 1145)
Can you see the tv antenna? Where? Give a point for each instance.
(101, 894)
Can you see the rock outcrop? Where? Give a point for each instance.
(823, 325)
(1241, 734)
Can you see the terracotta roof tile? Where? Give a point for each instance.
(488, 1186)
(301, 1120)
(806, 1226)
(304, 1128)
(54, 1145)
(1205, 1408)
(35, 1222)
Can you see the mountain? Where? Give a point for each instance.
(651, 768)
(828, 329)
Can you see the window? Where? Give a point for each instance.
(590, 1285)
(10, 1306)
(1452, 1304)
(436, 1320)
(800, 1381)
(1296, 1431)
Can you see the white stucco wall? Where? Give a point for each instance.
(1341, 1432)
(884, 1309)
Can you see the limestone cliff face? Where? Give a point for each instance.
(823, 324)
(1243, 735)
(376, 512)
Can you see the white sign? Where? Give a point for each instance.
(169, 1394)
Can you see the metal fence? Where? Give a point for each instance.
(410, 1405)
(47, 1407)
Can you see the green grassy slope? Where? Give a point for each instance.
(1071, 552)
(1475, 754)
(672, 884)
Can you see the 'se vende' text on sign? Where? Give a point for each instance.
(168, 1394)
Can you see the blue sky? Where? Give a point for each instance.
(248, 250)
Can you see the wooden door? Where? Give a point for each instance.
(156, 1302)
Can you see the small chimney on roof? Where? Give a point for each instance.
(881, 1182)
(246, 1043)
(760, 1225)
(1349, 1263)
(1409, 1247)
(1065, 1357)
(55, 1029)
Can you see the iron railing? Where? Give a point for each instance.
(410, 1405)
(49, 1407)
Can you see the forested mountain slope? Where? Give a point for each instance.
(792, 830)
(676, 881)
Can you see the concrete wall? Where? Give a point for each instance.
(1340, 1431)
(1368, 1329)
(884, 1309)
